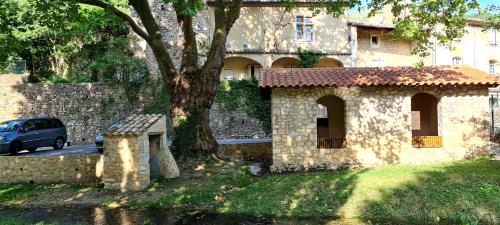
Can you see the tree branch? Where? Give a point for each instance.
(189, 60)
(156, 41)
(135, 27)
(224, 20)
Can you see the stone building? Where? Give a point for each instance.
(136, 152)
(267, 35)
(377, 116)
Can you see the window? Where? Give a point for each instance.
(304, 28)
(493, 67)
(375, 41)
(492, 37)
(456, 60)
(377, 62)
(228, 74)
(41, 124)
(28, 126)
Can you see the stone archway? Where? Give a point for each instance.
(239, 68)
(328, 62)
(286, 62)
(331, 122)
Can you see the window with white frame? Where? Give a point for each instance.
(493, 67)
(304, 28)
(456, 61)
(492, 37)
(228, 74)
(375, 41)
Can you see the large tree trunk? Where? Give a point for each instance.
(192, 97)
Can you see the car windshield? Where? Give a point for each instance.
(9, 126)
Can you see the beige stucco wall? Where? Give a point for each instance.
(273, 28)
(49, 169)
(393, 52)
(378, 127)
(473, 48)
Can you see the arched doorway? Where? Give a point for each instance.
(286, 62)
(424, 121)
(326, 62)
(238, 68)
(331, 122)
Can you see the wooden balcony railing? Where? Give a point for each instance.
(427, 141)
(332, 143)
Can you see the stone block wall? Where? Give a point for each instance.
(127, 159)
(88, 109)
(258, 151)
(85, 109)
(49, 169)
(378, 127)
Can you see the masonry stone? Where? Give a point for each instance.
(378, 127)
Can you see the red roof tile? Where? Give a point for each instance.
(382, 76)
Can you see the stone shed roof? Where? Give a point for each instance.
(133, 125)
(377, 76)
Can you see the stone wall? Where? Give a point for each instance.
(87, 109)
(36, 169)
(253, 151)
(378, 127)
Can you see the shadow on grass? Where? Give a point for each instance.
(462, 193)
(321, 194)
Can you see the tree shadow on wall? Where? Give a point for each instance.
(466, 192)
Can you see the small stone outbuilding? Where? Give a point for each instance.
(136, 152)
(351, 117)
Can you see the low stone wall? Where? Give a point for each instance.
(259, 151)
(49, 169)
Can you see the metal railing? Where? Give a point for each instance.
(332, 143)
(427, 141)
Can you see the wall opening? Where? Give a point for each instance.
(424, 121)
(331, 122)
(286, 62)
(154, 156)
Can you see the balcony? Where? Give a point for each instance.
(332, 143)
(427, 141)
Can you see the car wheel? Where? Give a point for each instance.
(59, 144)
(14, 148)
(32, 149)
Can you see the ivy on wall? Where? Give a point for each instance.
(244, 94)
(308, 58)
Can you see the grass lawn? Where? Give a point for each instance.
(465, 192)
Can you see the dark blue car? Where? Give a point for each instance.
(30, 134)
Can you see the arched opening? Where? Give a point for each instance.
(424, 121)
(238, 68)
(330, 122)
(328, 63)
(286, 62)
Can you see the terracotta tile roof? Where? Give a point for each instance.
(383, 76)
(133, 125)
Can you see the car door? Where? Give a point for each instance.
(28, 134)
(44, 132)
